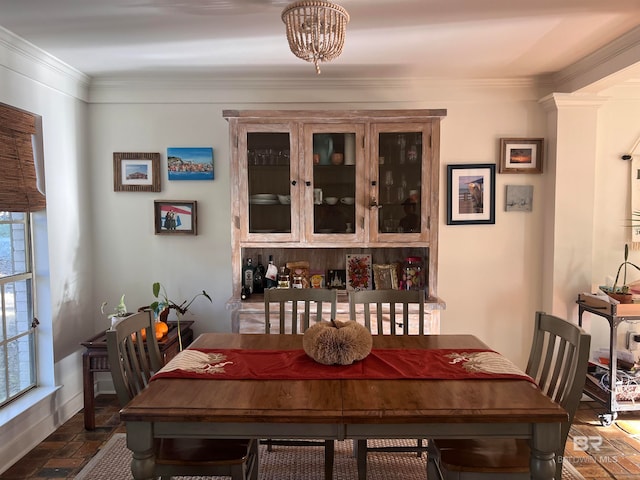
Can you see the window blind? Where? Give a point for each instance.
(18, 176)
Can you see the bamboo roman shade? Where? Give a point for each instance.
(18, 179)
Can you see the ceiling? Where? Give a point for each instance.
(478, 39)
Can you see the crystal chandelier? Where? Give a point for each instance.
(315, 30)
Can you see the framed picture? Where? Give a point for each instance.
(136, 172)
(175, 217)
(190, 163)
(359, 271)
(336, 279)
(519, 198)
(471, 194)
(521, 155)
(385, 277)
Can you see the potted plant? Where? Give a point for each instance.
(119, 311)
(163, 305)
(621, 292)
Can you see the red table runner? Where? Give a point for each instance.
(442, 364)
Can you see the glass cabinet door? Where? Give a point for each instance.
(401, 174)
(334, 162)
(271, 195)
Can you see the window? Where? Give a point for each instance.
(18, 325)
(21, 197)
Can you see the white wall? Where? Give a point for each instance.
(489, 275)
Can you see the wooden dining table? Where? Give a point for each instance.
(343, 408)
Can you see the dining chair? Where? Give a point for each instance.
(558, 363)
(292, 320)
(134, 356)
(390, 312)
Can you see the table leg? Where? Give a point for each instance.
(544, 444)
(89, 394)
(140, 442)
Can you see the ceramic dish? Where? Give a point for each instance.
(331, 200)
(347, 200)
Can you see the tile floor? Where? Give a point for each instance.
(63, 454)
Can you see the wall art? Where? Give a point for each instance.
(136, 172)
(471, 194)
(519, 198)
(521, 155)
(190, 163)
(175, 217)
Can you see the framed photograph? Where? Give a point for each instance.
(519, 198)
(189, 163)
(359, 271)
(385, 277)
(136, 172)
(336, 279)
(471, 194)
(175, 217)
(521, 155)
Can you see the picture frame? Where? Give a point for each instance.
(136, 172)
(385, 277)
(358, 266)
(471, 194)
(175, 217)
(190, 163)
(521, 155)
(336, 279)
(518, 198)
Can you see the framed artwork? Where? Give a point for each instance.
(336, 279)
(471, 194)
(175, 217)
(521, 155)
(359, 271)
(189, 163)
(136, 172)
(385, 277)
(519, 198)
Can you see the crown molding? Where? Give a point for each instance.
(613, 60)
(190, 88)
(24, 58)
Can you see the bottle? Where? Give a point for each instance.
(284, 280)
(247, 275)
(258, 277)
(271, 275)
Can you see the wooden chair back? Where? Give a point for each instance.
(134, 357)
(133, 354)
(558, 362)
(395, 320)
(288, 299)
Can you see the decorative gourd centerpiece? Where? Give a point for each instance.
(621, 292)
(337, 343)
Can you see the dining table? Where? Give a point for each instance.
(286, 394)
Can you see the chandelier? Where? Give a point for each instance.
(315, 30)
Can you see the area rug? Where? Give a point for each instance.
(290, 463)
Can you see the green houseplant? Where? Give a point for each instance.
(119, 311)
(163, 305)
(621, 292)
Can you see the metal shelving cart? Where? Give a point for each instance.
(606, 391)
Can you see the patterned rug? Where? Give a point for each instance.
(289, 463)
